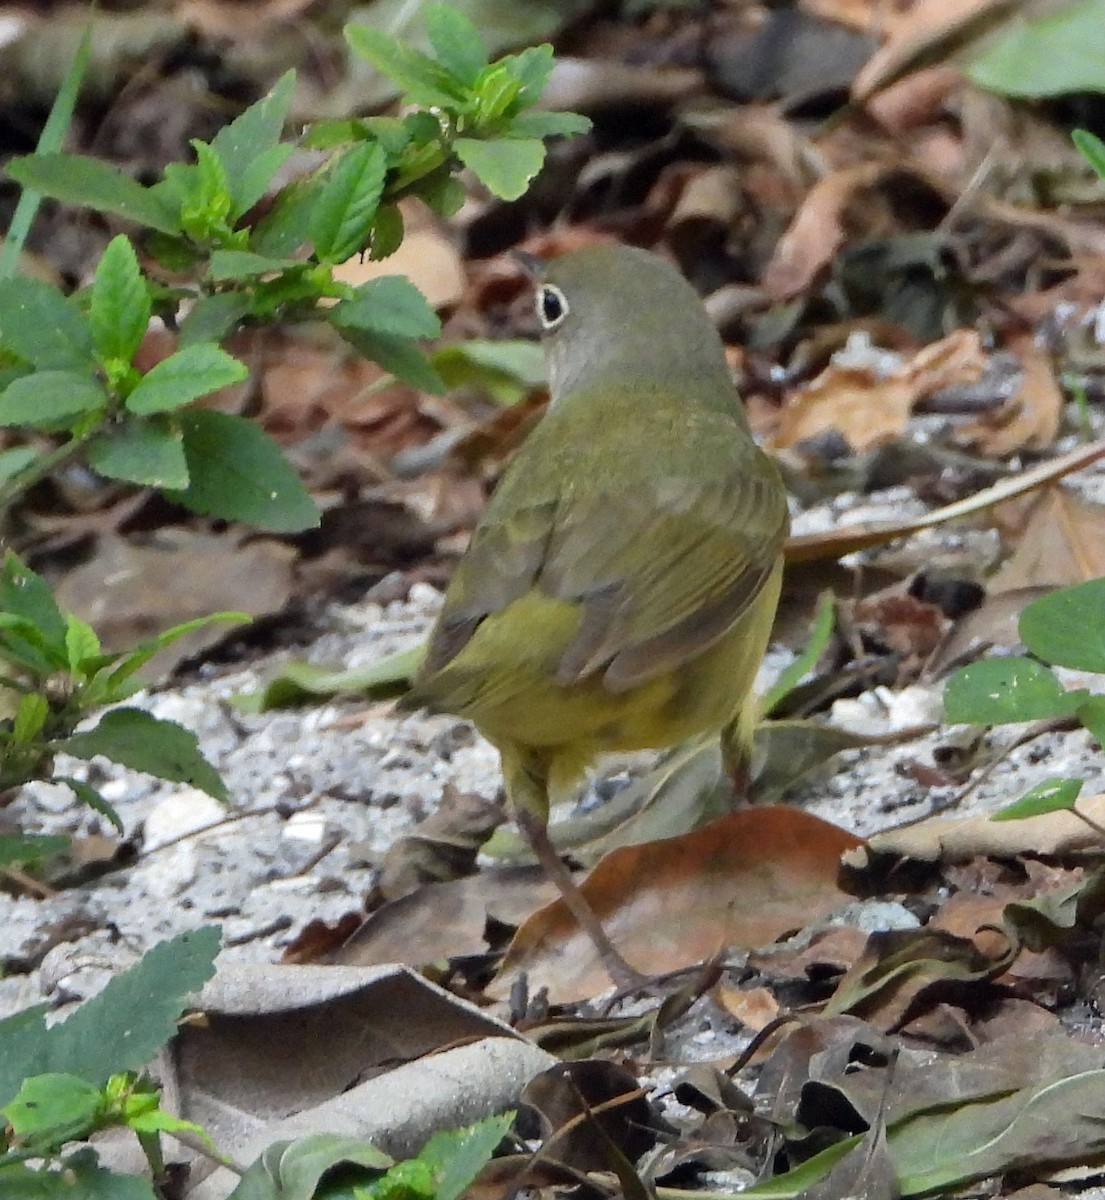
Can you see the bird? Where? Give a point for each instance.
(619, 590)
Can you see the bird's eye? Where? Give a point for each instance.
(552, 307)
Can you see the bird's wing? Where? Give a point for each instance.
(660, 570)
(666, 572)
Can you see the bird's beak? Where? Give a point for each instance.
(533, 266)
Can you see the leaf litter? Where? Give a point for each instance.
(963, 947)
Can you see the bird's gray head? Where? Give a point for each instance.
(622, 315)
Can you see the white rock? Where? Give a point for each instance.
(182, 812)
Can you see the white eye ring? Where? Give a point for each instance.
(551, 305)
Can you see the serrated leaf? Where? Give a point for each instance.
(249, 146)
(40, 325)
(998, 691)
(1067, 627)
(346, 205)
(285, 228)
(456, 42)
(421, 80)
(1050, 795)
(147, 452)
(88, 795)
(136, 739)
(505, 166)
(119, 309)
(183, 377)
(213, 317)
(239, 473)
(25, 594)
(119, 1029)
(548, 124)
(49, 397)
(458, 1155)
(92, 183)
(388, 305)
(245, 264)
(398, 355)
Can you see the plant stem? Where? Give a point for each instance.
(23, 481)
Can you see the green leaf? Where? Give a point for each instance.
(53, 1109)
(183, 377)
(119, 310)
(387, 232)
(239, 473)
(507, 369)
(1050, 795)
(142, 742)
(532, 68)
(213, 317)
(1092, 716)
(346, 204)
(296, 682)
(1067, 627)
(398, 355)
(15, 460)
(421, 79)
(25, 594)
(78, 1178)
(148, 452)
(48, 397)
(30, 850)
(81, 642)
(87, 794)
(548, 124)
(119, 1029)
(92, 183)
(456, 42)
(458, 1155)
(249, 146)
(30, 717)
(294, 1170)
(1092, 149)
(389, 305)
(998, 691)
(820, 634)
(505, 166)
(245, 264)
(286, 227)
(40, 325)
(1052, 55)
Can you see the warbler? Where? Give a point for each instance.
(619, 590)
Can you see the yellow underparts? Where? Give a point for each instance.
(504, 680)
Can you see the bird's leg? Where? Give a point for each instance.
(528, 792)
(736, 756)
(536, 833)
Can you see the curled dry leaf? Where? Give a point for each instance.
(744, 879)
(958, 839)
(1029, 419)
(816, 233)
(1063, 542)
(868, 408)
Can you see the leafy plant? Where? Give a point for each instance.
(61, 1083)
(238, 254)
(55, 672)
(1064, 629)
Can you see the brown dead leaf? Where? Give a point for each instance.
(816, 233)
(744, 879)
(957, 839)
(1063, 542)
(446, 920)
(752, 1007)
(929, 31)
(868, 409)
(907, 626)
(131, 590)
(1029, 419)
(829, 952)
